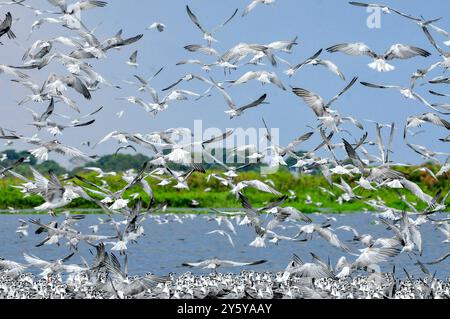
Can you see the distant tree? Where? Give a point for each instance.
(13, 156)
(119, 163)
(44, 167)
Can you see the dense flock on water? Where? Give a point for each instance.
(357, 274)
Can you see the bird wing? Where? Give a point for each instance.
(8, 265)
(402, 51)
(298, 141)
(227, 21)
(89, 4)
(35, 261)
(310, 270)
(332, 238)
(251, 6)
(416, 237)
(351, 152)
(416, 190)
(435, 119)
(379, 86)
(70, 151)
(332, 67)
(250, 75)
(354, 49)
(195, 20)
(426, 103)
(133, 57)
(275, 80)
(230, 263)
(432, 41)
(262, 187)
(334, 99)
(78, 85)
(438, 261)
(254, 103)
(41, 181)
(313, 100)
(218, 138)
(49, 111)
(113, 266)
(197, 264)
(376, 255)
(59, 3)
(6, 22)
(380, 142)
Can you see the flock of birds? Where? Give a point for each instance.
(105, 277)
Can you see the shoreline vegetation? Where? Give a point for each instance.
(297, 187)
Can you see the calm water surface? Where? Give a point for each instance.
(165, 247)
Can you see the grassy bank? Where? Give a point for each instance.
(220, 197)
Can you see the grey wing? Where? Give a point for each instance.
(355, 49)
(254, 103)
(218, 137)
(348, 87)
(173, 85)
(314, 271)
(379, 86)
(6, 24)
(197, 264)
(194, 19)
(229, 263)
(227, 21)
(353, 156)
(416, 190)
(377, 255)
(332, 67)
(402, 51)
(299, 140)
(312, 100)
(275, 80)
(49, 111)
(438, 261)
(78, 86)
(133, 57)
(59, 3)
(432, 41)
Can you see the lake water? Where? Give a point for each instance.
(165, 247)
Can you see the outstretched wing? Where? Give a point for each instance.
(194, 19)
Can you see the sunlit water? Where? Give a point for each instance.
(165, 247)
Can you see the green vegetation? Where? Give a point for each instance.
(220, 197)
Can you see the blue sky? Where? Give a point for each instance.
(318, 24)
